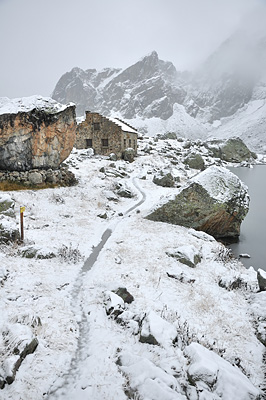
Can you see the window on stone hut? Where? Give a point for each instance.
(88, 143)
(96, 126)
(125, 142)
(129, 142)
(104, 142)
(134, 143)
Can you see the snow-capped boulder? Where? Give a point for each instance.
(187, 255)
(215, 201)
(209, 372)
(35, 132)
(19, 343)
(156, 330)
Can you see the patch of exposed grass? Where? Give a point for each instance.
(10, 186)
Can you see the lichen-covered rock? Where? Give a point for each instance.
(231, 150)
(164, 179)
(215, 201)
(195, 161)
(35, 132)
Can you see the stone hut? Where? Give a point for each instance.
(105, 135)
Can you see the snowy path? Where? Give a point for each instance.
(63, 384)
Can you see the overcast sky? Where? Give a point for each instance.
(40, 40)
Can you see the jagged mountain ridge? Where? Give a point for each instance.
(191, 104)
(148, 88)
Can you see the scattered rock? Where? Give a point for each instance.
(123, 191)
(103, 216)
(124, 294)
(232, 284)
(157, 331)
(195, 161)
(114, 304)
(113, 157)
(164, 179)
(129, 155)
(187, 255)
(167, 135)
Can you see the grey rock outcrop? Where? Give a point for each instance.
(41, 135)
(195, 161)
(215, 202)
(164, 178)
(231, 150)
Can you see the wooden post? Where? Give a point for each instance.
(22, 209)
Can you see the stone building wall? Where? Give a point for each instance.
(104, 136)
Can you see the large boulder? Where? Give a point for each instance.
(35, 132)
(209, 372)
(215, 201)
(231, 150)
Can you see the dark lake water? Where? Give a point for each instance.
(252, 238)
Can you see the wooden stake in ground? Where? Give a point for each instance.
(22, 209)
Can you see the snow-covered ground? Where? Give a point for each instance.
(203, 322)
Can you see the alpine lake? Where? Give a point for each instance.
(251, 247)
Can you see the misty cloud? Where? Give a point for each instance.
(42, 40)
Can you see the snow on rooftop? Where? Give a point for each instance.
(25, 104)
(125, 127)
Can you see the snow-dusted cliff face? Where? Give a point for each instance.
(148, 88)
(225, 97)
